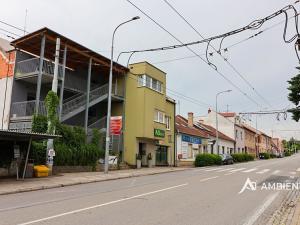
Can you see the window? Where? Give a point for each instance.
(147, 81)
(236, 134)
(159, 116)
(241, 135)
(168, 122)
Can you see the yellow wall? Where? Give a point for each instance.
(140, 105)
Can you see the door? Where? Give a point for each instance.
(161, 158)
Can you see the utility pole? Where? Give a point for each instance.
(107, 139)
(54, 89)
(217, 124)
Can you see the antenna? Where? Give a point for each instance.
(25, 21)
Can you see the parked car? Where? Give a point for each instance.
(226, 159)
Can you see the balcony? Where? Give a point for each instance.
(28, 70)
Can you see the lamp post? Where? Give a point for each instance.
(107, 140)
(217, 128)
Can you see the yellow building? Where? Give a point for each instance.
(149, 116)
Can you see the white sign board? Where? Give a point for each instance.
(195, 146)
(17, 151)
(184, 149)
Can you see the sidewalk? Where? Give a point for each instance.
(10, 186)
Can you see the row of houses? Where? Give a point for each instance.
(139, 100)
(198, 135)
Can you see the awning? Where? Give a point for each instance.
(12, 135)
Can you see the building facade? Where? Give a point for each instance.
(250, 140)
(190, 140)
(149, 116)
(230, 125)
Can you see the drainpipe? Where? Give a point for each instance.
(175, 143)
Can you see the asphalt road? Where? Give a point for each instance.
(205, 196)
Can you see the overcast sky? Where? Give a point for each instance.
(265, 61)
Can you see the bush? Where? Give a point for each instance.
(38, 152)
(272, 156)
(72, 149)
(39, 124)
(287, 153)
(242, 157)
(207, 160)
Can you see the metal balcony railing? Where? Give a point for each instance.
(31, 67)
(99, 124)
(25, 109)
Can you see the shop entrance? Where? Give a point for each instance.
(161, 158)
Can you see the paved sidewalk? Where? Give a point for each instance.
(10, 186)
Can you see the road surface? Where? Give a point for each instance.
(208, 196)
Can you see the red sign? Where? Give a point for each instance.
(115, 125)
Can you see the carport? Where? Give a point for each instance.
(12, 137)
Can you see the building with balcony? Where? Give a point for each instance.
(26, 75)
(149, 116)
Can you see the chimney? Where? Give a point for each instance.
(190, 119)
(209, 111)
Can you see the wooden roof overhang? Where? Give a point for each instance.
(77, 55)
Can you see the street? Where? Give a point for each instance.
(196, 196)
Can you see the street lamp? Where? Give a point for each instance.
(107, 140)
(217, 128)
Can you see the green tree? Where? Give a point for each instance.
(294, 96)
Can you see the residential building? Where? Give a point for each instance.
(277, 146)
(190, 140)
(149, 116)
(7, 60)
(250, 140)
(230, 124)
(226, 143)
(264, 142)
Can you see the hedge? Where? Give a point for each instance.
(242, 157)
(207, 160)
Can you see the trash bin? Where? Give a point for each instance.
(41, 171)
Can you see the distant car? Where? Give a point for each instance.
(226, 159)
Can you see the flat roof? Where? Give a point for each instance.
(76, 53)
(13, 135)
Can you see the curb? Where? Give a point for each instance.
(51, 186)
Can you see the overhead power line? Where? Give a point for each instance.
(218, 51)
(187, 46)
(15, 27)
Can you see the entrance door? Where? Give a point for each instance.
(161, 158)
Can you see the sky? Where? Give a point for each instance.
(266, 61)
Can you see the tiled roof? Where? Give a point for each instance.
(182, 127)
(250, 128)
(212, 132)
(228, 114)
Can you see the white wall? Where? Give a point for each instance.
(240, 139)
(226, 126)
(7, 101)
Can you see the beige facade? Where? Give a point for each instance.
(149, 116)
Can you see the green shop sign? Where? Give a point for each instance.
(159, 133)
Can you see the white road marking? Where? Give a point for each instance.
(213, 169)
(236, 170)
(219, 171)
(260, 210)
(227, 174)
(248, 171)
(276, 172)
(101, 205)
(209, 178)
(263, 171)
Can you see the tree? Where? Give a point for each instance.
(294, 96)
